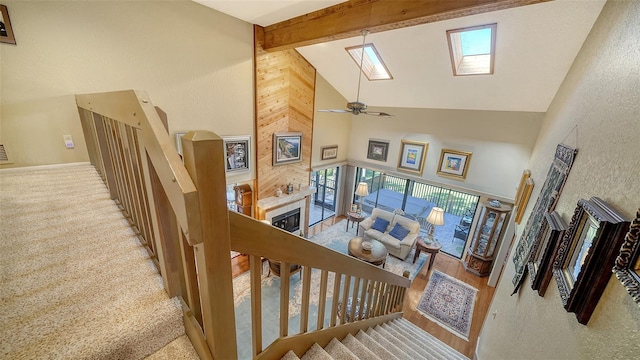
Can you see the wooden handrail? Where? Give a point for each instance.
(179, 210)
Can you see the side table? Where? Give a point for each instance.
(432, 248)
(355, 218)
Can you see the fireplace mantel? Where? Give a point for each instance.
(273, 202)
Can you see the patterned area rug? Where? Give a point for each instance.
(449, 302)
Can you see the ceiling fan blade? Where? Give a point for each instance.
(377, 113)
(335, 111)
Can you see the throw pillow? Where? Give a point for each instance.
(380, 224)
(399, 232)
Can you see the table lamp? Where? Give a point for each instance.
(362, 191)
(436, 217)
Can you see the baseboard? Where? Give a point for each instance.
(43, 167)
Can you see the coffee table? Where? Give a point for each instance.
(376, 256)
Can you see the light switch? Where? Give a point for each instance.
(68, 141)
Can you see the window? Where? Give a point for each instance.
(372, 65)
(472, 49)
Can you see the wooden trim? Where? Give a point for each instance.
(348, 19)
(301, 343)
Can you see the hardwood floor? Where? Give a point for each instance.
(443, 263)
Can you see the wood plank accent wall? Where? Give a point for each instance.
(285, 92)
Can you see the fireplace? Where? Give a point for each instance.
(289, 221)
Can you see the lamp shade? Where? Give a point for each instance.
(436, 216)
(363, 189)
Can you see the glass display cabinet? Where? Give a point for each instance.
(488, 232)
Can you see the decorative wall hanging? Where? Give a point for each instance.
(586, 255)
(524, 199)
(412, 156)
(237, 153)
(454, 164)
(378, 150)
(6, 30)
(287, 148)
(542, 255)
(329, 152)
(627, 267)
(547, 199)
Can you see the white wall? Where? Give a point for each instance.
(195, 63)
(500, 142)
(329, 128)
(597, 111)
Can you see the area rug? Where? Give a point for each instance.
(337, 238)
(448, 302)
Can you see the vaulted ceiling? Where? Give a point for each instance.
(535, 46)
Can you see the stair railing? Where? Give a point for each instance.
(178, 209)
(377, 295)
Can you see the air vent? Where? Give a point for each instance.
(4, 157)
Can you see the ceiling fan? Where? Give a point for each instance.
(357, 107)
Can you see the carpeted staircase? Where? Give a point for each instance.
(396, 340)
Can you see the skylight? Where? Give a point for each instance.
(372, 65)
(472, 49)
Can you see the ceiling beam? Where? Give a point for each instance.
(348, 19)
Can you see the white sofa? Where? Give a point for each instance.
(397, 248)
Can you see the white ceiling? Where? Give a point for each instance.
(535, 47)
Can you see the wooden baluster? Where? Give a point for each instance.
(363, 295)
(255, 266)
(370, 299)
(322, 299)
(354, 299)
(306, 290)
(285, 272)
(345, 298)
(376, 299)
(334, 303)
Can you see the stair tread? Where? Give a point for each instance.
(372, 344)
(396, 351)
(316, 352)
(400, 343)
(424, 341)
(423, 349)
(358, 348)
(337, 350)
(448, 351)
(290, 355)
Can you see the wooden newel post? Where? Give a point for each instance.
(204, 160)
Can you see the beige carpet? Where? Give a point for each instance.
(75, 283)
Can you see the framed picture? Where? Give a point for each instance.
(525, 175)
(329, 152)
(6, 31)
(378, 150)
(412, 156)
(287, 148)
(237, 153)
(454, 163)
(354, 207)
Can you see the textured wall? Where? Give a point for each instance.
(596, 110)
(195, 63)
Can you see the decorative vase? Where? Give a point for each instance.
(278, 192)
(289, 188)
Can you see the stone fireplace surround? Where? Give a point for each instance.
(277, 205)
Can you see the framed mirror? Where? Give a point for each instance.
(586, 255)
(627, 267)
(540, 264)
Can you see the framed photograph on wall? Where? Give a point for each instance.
(378, 150)
(329, 152)
(6, 31)
(454, 164)
(412, 156)
(287, 148)
(237, 153)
